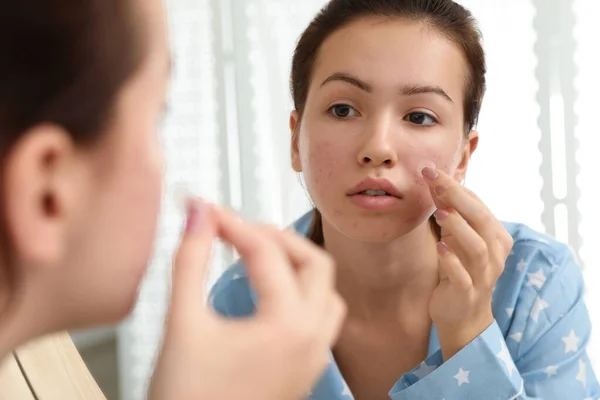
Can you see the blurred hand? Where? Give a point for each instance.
(280, 352)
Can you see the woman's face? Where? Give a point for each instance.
(85, 255)
(385, 100)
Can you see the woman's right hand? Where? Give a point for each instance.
(277, 354)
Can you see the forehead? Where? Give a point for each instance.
(392, 52)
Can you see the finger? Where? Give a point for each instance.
(469, 247)
(300, 250)
(268, 268)
(191, 261)
(453, 268)
(447, 192)
(314, 267)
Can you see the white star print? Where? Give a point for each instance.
(554, 268)
(521, 265)
(582, 374)
(551, 370)
(510, 312)
(537, 279)
(538, 306)
(236, 276)
(571, 342)
(424, 370)
(462, 377)
(517, 337)
(504, 355)
(346, 390)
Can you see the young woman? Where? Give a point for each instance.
(444, 301)
(82, 87)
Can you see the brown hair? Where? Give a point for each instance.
(445, 16)
(62, 62)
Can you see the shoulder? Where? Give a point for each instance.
(537, 259)
(541, 282)
(232, 294)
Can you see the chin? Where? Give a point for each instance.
(379, 228)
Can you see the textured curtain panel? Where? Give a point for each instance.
(226, 136)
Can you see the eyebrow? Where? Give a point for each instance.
(407, 90)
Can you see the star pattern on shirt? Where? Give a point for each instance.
(536, 279)
(509, 312)
(424, 370)
(346, 390)
(571, 342)
(517, 337)
(462, 377)
(551, 370)
(538, 306)
(521, 265)
(504, 355)
(582, 373)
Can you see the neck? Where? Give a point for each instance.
(385, 280)
(21, 318)
(14, 330)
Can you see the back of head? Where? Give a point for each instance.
(62, 62)
(64, 65)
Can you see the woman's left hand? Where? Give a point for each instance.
(472, 253)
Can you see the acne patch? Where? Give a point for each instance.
(424, 164)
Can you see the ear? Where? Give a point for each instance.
(294, 128)
(467, 151)
(42, 175)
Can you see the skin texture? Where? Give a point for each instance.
(372, 122)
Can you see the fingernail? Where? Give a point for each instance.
(429, 173)
(440, 215)
(441, 189)
(442, 248)
(195, 214)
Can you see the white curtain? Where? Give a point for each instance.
(227, 135)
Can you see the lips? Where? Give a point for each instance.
(375, 187)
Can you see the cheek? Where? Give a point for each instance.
(420, 157)
(142, 181)
(322, 159)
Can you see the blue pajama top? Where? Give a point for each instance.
(535, 349)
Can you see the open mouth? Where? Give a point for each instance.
(374, 193)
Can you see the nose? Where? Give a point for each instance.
(378, 149)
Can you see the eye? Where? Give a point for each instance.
(342, 111)
(420, 118)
